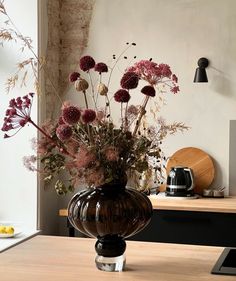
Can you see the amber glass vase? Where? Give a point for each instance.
(110, 213)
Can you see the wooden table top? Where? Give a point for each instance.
(220, 205)
(51, 258)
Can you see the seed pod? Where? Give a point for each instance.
(102, 89)
(81, 85)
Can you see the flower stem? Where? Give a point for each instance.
(142, 113)
(86, 100)
(62, 149)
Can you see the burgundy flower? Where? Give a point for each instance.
(175, 89)
(122, 96)
(101, 67)
(64, 132)
(86, 63)
(74, 76)
(129, 80)
(71, 114)
(148, 91)
(88, 116)
(18, 113)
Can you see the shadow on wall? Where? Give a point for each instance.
(218, 179)
(222, 85)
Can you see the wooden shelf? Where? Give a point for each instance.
(218, 205)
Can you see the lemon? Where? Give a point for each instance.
(9, 229)
(6, 229)
(2, 229)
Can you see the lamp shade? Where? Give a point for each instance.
(200, 73)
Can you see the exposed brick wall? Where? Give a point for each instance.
(68, 30)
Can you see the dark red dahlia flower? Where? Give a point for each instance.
(88, 116)
(71, 114)
(148, 91)
(101, 67)
(74, 76)
(129, 80)
(64, 132)
(122, 96)
(86, 63)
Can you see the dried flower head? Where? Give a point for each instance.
(129, 80)
(71, 114)
(148, 91)
(122, 96)
(84, 158)
(18, 113)
(101, 67)
(111, 153)
(81, 85)
(74, 76)
(102, 89)
(86, 63)
(64, 132)
(88, 116)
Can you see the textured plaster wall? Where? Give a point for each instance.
(68, 29)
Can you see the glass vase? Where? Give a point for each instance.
(110, 213)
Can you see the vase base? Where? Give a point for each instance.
(110, 264)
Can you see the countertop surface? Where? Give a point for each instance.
(50, 258)
(220, 205)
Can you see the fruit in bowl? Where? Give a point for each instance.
(7, 229)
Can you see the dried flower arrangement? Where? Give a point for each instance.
(84, 141)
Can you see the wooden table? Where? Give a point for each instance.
(46, 258)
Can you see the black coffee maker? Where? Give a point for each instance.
(180, 182)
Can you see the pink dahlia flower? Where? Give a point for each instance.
(129, 80)
(71, 114)
(122, 96)
(88, 116)
(86, 63)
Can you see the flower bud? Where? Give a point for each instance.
(102, 89)
(81, 85)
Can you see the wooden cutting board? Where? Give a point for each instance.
(200, 163)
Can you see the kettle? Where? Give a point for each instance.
(180, 182)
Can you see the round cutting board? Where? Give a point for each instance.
(200, 163)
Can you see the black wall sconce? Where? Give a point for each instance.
(200, 74)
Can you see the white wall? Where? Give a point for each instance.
(179, 32)
(18, 188)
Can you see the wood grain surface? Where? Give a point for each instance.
(200, 163)
(50, 258)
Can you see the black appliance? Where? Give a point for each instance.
(180, 182)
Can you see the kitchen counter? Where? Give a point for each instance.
(219, 205)
(51, 258)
